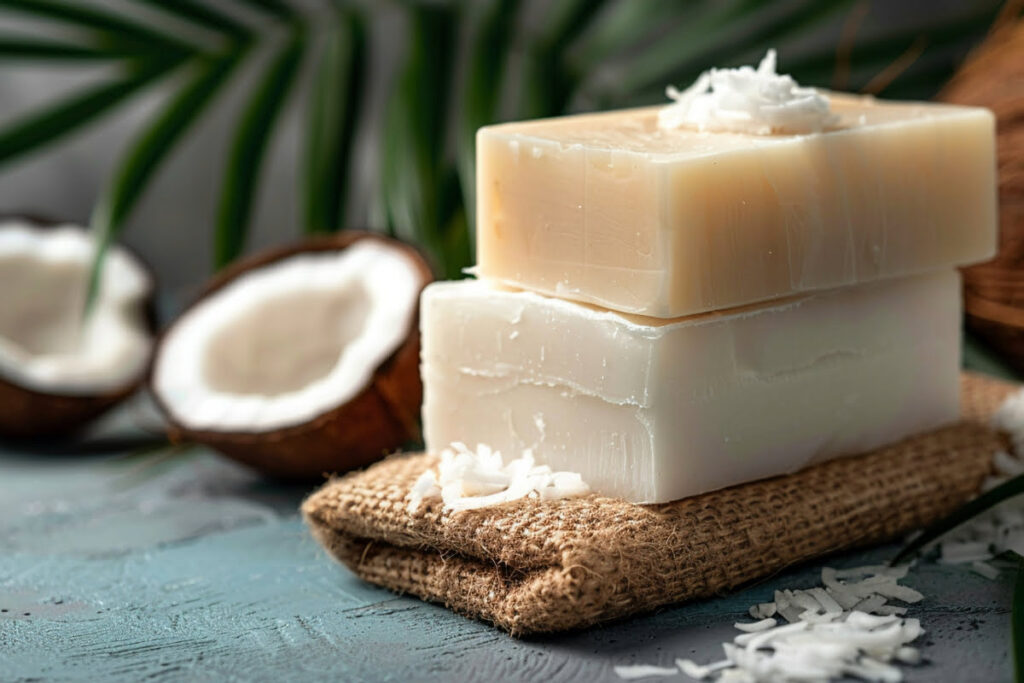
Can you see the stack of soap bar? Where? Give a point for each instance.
(653, 410)
(669, 312)
(612, 210)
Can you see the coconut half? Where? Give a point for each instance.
(59, 368)
(302, 361)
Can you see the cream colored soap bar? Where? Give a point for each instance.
(654, 410)
(610, 209)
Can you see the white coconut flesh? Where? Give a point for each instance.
(286, 342)
(47, 343)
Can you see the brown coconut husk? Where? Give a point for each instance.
(381, 418)
(33, 414)
(533, 566)
(993, 77)
(28, 414)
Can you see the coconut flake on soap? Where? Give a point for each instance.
(747, 100)
(468, 479)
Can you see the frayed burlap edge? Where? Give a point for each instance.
(543, 566)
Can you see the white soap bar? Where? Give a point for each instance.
(654, 410)
(613, 210)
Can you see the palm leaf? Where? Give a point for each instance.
(983, 503)
(485, 62)
(117, 29)
(680, 44)
(414, 128)
(711, 38)
(45, 127)
(336, 95)
(201, 14)
(547, 82)
(250, 142)
(275, 8)
(22, 48)
(145, 155)
(623, 27)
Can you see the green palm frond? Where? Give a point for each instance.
(200, 13)
(112, 27)
(15, 47)
(336, 98)
(623, 27)
(548, 83)
(249, 145)
(144, 157)
(467, 64)
(414, 132)
(58, 120)
(725, 34)
(275, 8)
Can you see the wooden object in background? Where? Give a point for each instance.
(994, 291)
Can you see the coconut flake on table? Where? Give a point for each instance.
(823, 640)
(747, 100)
(629, 672)
(1002, 527)
(466, 480)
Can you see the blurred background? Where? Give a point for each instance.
(198, 129)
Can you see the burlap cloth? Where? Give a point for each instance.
(534, 567)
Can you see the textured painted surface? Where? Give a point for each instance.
(193, 569)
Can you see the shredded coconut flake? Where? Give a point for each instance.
(824, 640)
(1001, 528)
(468, 479)
(985, 569)
(747, 100)
(644, 671)
(762, 625)
(694, 670)
(763, 611)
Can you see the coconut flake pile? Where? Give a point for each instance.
(999, 529)
(1002, 527)
(468, 479)
(846, 627)
(747, 100)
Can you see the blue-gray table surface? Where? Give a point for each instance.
(191, 568)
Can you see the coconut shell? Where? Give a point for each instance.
(994, 291)
(32, 414)
(25, 413)
(380, 419)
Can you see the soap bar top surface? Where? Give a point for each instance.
(611, 209)
(653, 411)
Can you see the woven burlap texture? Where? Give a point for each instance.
(542, 566)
